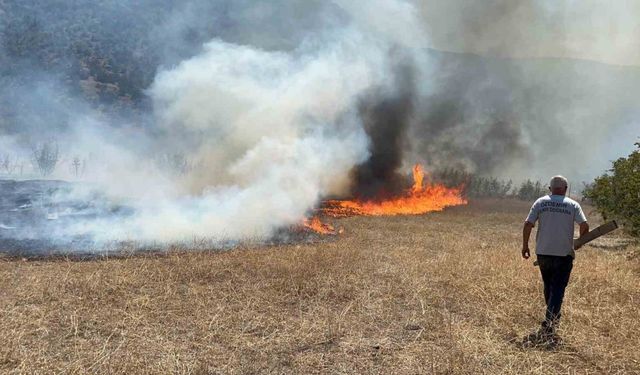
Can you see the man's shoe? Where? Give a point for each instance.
(545, 337)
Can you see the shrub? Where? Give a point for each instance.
(474, 186)
(617, 194)
(530, 190)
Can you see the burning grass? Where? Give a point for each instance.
(439, 293)
(421, 198)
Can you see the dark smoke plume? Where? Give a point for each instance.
(386, 120)
(471, 119)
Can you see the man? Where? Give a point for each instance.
(554, 248)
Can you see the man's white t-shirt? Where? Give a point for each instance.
(556, 214)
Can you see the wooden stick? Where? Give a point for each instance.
(592, 235)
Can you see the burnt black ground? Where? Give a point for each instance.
(35, 216)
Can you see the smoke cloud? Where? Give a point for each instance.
(263, 134)
(593, 30)
(232, 119)
(386, 120)
(529, 86)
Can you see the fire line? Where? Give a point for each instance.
(421, 198)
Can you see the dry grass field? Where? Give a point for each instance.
(443, 293)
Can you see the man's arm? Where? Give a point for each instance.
(526, 234)
(581, 219)
(528, 226)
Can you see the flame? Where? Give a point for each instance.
(316, 225)
(418, 179)
(418, 200)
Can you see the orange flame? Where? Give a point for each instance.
(419, 200)
(316, 225)
(418, 179)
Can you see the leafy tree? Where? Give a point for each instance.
(474, 186)
(617, 194)
(530, 190)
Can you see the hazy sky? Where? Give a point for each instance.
(601, 30)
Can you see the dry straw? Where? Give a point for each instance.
(445, 293)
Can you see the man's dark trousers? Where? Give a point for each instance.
(555, 272)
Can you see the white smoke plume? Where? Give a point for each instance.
(273, 132)
(267, 133)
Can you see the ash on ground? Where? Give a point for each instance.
(36, 217)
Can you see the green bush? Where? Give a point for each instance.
(616, 195)
(530, 190)
(474, 186)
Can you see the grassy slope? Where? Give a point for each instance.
(440, 293)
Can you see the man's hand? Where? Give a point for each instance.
(526, 233)
(526, 254)
(584, 228)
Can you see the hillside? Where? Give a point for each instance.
(495, 116)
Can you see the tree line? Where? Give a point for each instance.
(476, 186)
